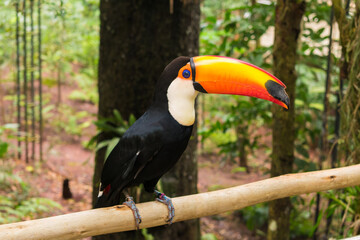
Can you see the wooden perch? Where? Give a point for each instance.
(120, 218)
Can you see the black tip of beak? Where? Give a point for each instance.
(278, 92)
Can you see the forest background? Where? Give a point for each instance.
(39, 152)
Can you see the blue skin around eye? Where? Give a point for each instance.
(186, 73)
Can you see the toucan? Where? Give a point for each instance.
(156, 141)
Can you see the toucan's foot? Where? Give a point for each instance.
(161, 197)
(131, 204)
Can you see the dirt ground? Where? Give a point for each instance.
(65, 157)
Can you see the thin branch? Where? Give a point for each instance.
(18, 83)
(40, 84)
(25, 84)
(32, 88)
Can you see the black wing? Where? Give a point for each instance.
(138, 146)
(150, 147)
(129, 157)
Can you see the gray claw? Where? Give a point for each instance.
(167, 201)
(131, 204)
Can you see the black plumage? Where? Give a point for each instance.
(149, 148)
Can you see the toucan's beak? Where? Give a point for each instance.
(214, 74)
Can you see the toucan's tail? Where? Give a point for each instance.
(107, 199)
(104, 202)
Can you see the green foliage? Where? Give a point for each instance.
(70, 39)
(114, 126)
(71, 33)
(308, 122)
(16, 201)
(146, 235)
(236, 117)
(87, 91)
(237, 31)
(301, 220)
(237, 34)
(7, 133)
(7, 30)
(345, 208)
(232, 28)
(310, 89)
(215, 187)
(70, 36)
(208, 236)
(255, 217)
(71, 121)
(238, 169)
(3, 149)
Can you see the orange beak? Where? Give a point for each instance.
(223, 75)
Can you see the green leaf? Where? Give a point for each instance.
(102, 144)
(209, 236)
(215, 187)
(112, 143)
(3, 149)
(238, 169)
(318, 220)
(120, 121)
(147, 235)
(299, 103)
(317, 106)
(302, 150)
(132, 119)
(78, 95)
(85, 124)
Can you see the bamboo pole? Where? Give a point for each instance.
(32, 87)
(41, 124)
(25, 84)
(18, 83)
(120, 218)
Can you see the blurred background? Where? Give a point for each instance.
(74, 75)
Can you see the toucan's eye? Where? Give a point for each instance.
(186, 73)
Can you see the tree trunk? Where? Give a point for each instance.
(137, 40)
(351, 101)
(287, 29)
(350, 69)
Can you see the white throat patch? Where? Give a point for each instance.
(181, 100)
